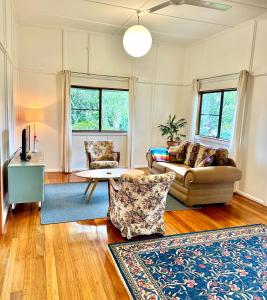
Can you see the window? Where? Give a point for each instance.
(97, 109)
(216, 116)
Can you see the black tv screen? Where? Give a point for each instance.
(25, 142)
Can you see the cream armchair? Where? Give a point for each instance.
(100, 155)
(137, 203)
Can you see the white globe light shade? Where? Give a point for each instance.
(137, 40)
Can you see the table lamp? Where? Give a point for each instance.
(34, 116)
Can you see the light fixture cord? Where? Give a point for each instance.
(138, 19)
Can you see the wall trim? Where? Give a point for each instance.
(249, 196)
(53, 170)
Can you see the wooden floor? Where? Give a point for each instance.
(70, 260)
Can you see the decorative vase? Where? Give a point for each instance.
(172, 143)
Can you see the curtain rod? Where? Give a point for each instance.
(103, 75)
(219, 76)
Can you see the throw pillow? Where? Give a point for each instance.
(207, 162)
(191, 154)
(203, 152)
(221, 157)
(177, 153)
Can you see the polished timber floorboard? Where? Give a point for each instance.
(70, 260)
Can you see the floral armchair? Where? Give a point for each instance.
(137, 203)
(100, 155)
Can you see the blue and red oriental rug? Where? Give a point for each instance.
(217, 265)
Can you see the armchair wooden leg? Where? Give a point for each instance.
(88, 185)
(92, 190)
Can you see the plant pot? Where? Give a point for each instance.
(172, 143)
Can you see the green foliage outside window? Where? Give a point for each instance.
(217, 114)
(88, 105)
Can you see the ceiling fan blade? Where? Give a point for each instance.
(209, 4)
(154, 8)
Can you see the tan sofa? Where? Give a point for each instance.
(199, 185)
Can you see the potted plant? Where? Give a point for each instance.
(172, 130)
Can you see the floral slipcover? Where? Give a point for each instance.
(101, 155)
(138, 206)
(100, 150)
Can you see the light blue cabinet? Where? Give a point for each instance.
(26, 179)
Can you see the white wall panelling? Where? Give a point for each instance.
(81, 51)
(7, 58)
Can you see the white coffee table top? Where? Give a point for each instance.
(108, 173)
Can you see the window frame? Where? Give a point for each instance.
(222, 91)
(100, 89)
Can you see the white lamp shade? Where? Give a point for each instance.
(137, 40)
(34, 115)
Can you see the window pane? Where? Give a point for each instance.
(84, 98)
(85, 120)
(211, 103)
(115, 106)
(85, 109)
(208, 126)
(229, 105)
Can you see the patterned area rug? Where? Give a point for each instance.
(220, 264)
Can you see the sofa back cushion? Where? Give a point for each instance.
(191, 154)
(178, 153)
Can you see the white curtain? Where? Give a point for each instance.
(132, 96)
(194, 113)
(236, 141)
(66, 121)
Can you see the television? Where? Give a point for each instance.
(25, 143)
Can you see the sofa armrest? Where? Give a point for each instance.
(216, 174)
(149, 159)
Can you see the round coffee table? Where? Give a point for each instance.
(94, 176)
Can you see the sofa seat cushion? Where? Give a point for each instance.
(179, 170)
(158, 166)
(105, 164)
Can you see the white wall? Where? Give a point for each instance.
(243, 47)
(43, 52)
(7, 62)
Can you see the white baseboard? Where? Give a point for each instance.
(53, 170)
(256, 199)
(140, 166)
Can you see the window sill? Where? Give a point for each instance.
(96, 133)
(209, 141)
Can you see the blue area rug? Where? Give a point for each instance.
(67, 203)
(220, 264)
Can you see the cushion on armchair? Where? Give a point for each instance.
(103, 164)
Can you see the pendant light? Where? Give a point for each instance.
(137, 40)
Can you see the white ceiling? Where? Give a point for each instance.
(184, 23)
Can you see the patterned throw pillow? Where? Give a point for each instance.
(177, 153)
(207, 162)
(203, 152)
(221, 157)
(191, 154)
